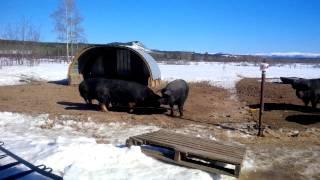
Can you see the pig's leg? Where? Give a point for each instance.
(181, 110)
(314, 103)
(89, 101)
(131, 106)
(305, 101)
(171, 110)
(103, 107)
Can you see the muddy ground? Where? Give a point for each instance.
(291, 131)
(207, 105)
(282, 108)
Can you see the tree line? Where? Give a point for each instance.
(20, 40)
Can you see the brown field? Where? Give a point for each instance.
(282, 108)
(206, 105)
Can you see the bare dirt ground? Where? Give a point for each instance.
(209, 112)
(282, 108)
(206, 105)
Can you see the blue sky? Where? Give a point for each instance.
(230, 26)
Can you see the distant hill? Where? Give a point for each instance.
(290, 55)
(13, 48)
(52, 49)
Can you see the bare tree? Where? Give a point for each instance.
(68, 21)
(20, 33)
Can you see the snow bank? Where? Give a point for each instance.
(221, 74)
(76, 155)
(70, 147)
(227, 74)
(11, 75)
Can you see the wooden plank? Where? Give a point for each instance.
(196, 141)
(187, 137)
(177, 156)
(188, 164)
(237, 170)
(179, 143)
(203, 154)
(235, 158)
(200, 140)
(136, 141)
(195, 145)
(192, 145)
(193, 151)
(190, 148)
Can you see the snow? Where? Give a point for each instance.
(221, 74)
(227, 74)
(136, 45)
(11, 75)
(280, 162)
(76, 155)
(70, 147)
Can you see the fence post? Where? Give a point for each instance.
(263, 68)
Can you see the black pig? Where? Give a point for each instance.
(306, 84)
(97, 89)
(308, 90)
(111, 92)
(307, 96)
(175, 93)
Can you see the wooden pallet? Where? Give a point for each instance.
(193, 152)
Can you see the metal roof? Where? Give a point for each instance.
(151, 63)
(147, 58)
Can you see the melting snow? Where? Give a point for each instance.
(70, 147)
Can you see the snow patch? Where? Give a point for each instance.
(75, 154)
(226, 75)
(12, 75)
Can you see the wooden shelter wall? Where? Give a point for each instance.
(103, 62)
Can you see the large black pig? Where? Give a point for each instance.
(118, 92)
(306, 84)
(175, 93)
(308, 90)
(97, 89)
(307, 96)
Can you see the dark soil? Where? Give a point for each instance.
(205, 105)
(282, 108)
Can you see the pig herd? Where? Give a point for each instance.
(114, 92)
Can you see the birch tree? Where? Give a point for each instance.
(20, 33)
(67, 25)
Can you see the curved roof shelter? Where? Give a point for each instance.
(114, 62)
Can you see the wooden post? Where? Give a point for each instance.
(263, 68)
(237, 170)
(260, 133)
(177, 156)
